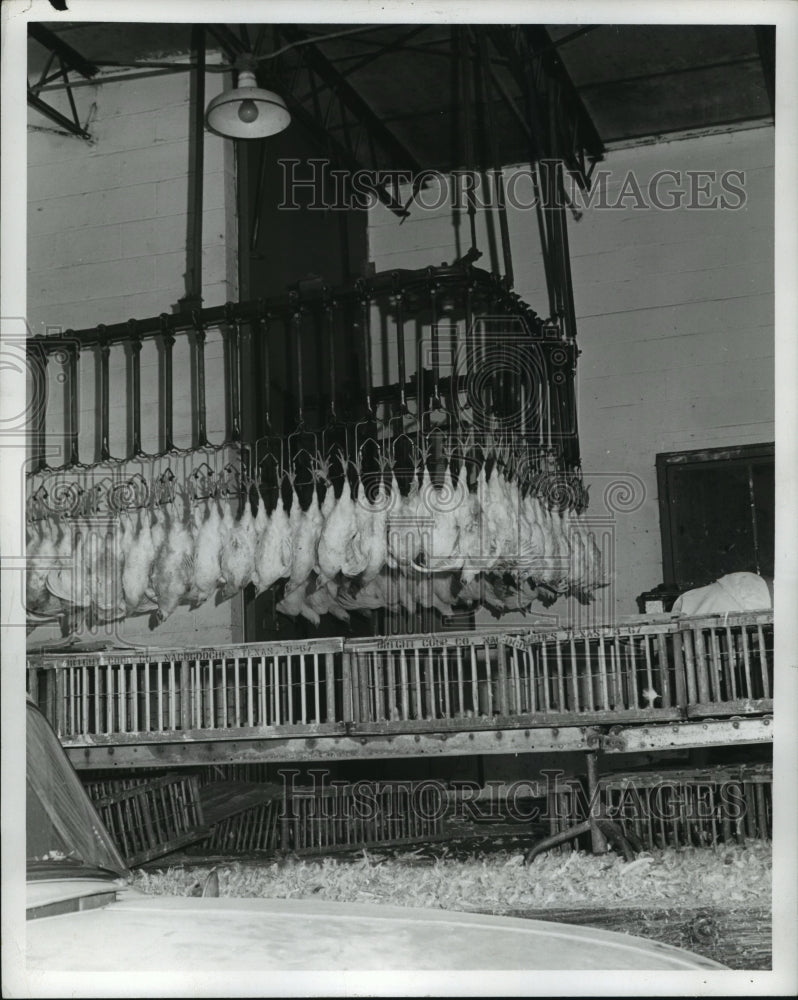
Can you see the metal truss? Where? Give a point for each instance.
(336, 116)
(355, 136)
(66, 60)
(557, 122)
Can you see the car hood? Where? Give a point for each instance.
(218, 934)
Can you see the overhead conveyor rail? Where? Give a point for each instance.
(681, 682)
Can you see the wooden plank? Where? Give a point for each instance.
(289, 687)
(574, 678)
(704, 733)
(715, 673)
(303, 685)
(631, 668)
(679, 670)
(747, 661)
(560, 679)
(686, 637)
(98, 702)
(444, 662)
(488, 681)
(262, 692)
(429, 687)
(388, 683)
(701, 667)
(346, 680)
(501, 671)
(763, 661)
(544, 654)
(316, 690)
(84, 691)
(605, 696)
(248, 751)
(108, 672)
(405, 693)
(664, 679)
(474, 681)
(276, 715)
(329, 685)
(590, 706)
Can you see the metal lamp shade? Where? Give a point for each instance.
(247, 112)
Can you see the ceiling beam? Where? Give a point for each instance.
(317, 63)
(766, 40)
(68, 59)
(69, 56)
(559, 123)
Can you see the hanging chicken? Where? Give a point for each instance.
(173, 568)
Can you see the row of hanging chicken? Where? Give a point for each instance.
(453, 545)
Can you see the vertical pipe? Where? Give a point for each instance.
(366, 313)
(234, 363)
(495, 161)
(74, 375)
(168, 340)
(264, 373)
(199, 330)
(400, 341)
(135, 365)
(194, 263)
(296, 333)
(433, 308)
(329, 322)
(37, 363)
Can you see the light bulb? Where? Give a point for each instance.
(248, 111)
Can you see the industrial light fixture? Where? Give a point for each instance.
(248, 111)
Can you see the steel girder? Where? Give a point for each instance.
(68, 60)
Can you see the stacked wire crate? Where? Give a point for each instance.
(671, 669)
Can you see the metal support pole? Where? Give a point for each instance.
(168, 339)
(135, 386)
(193, 297)
(597, 838)
(234, 369)
(199, 332)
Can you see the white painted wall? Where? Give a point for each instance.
(675, 320)
(107, 225)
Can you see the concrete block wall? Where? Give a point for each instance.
(675, 323)
(107, 231)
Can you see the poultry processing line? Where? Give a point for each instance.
(475, 528)
(455, 487)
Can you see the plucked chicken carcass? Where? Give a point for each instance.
(238, 550)
(173, 568)
(273, 549)
(376, 539)
(40, 551)
(68, 581)
(208, 538)
(339, 550)
(138, 555)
